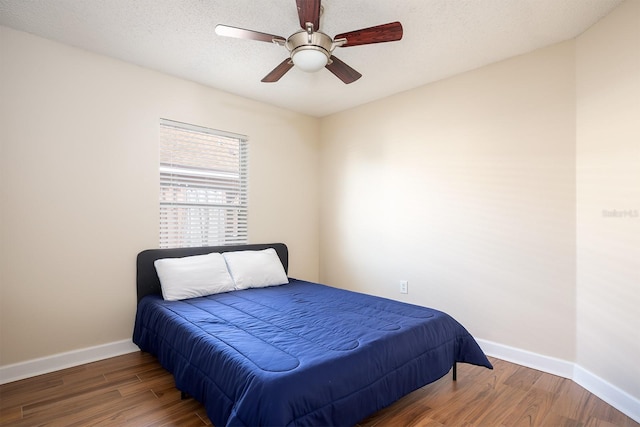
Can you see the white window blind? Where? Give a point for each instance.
(203, 186)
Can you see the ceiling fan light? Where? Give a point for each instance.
(310, 58)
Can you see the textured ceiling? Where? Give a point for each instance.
(441, 38)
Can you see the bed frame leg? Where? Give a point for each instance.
(184, 396)
(455, 371)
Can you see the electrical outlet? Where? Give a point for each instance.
(404, 287)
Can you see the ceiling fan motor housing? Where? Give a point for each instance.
(306, 44)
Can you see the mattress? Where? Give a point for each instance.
(301, 353)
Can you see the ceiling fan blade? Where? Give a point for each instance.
(342, 70)
(309, 11)
(379, 34)
(241, 33)
(278, 72)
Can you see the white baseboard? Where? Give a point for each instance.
(547, 364)
(619, 399)
(611, 394)
(44, 365)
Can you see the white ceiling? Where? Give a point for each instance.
(441, 38)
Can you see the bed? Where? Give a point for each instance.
(299, 353)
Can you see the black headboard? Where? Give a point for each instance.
(147, 279)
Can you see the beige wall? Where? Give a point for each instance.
(465, 188)
(79, 187)
(608, 180)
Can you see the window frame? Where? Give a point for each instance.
(203, 188)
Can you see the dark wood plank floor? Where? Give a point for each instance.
(135, 390)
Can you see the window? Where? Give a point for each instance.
(203, 186)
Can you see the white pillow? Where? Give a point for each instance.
(255, 269)
(193, 276)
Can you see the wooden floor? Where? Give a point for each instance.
(134, 390)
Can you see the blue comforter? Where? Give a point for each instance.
(300, 354)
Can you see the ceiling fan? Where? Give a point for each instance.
(311, 50)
